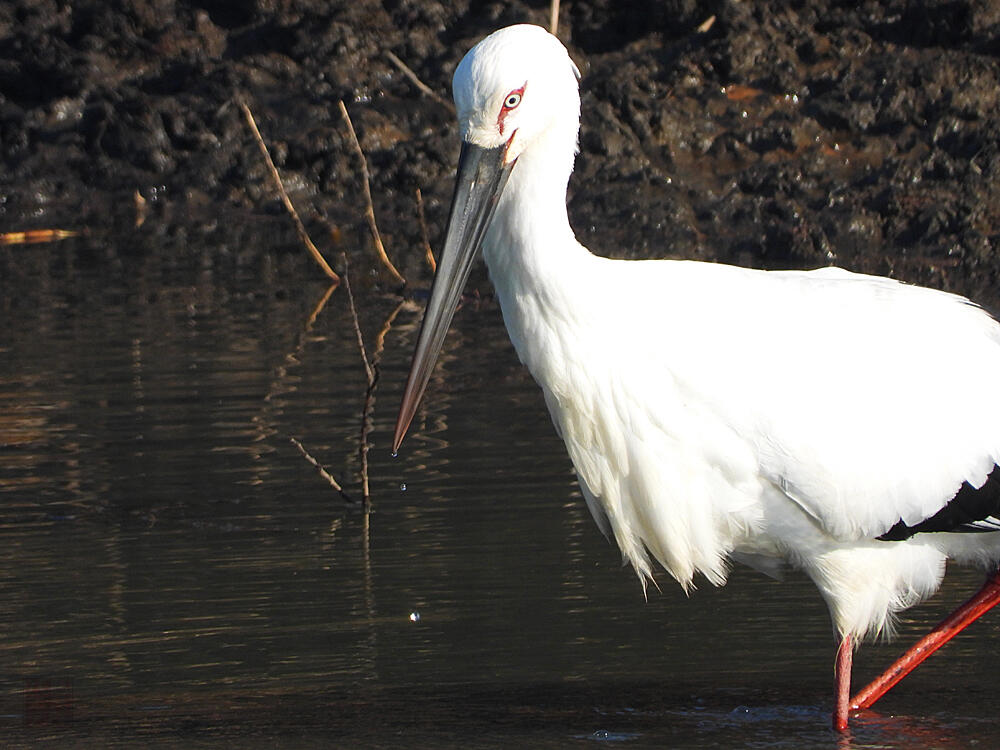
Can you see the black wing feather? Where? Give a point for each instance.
(971, 510)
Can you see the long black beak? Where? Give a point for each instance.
(482, 175)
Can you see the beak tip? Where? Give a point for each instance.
(402, 425)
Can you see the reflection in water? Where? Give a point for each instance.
(170, 566)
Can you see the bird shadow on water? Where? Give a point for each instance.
(718, 720)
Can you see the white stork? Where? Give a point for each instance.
(848, 425)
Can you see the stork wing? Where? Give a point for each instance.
(889, 400)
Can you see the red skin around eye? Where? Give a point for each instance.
(505, 109)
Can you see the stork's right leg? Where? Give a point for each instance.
(842, 691)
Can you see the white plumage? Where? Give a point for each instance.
(710, 410)
(713, 412)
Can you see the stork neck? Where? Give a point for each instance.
(530, 232)
(541, 274)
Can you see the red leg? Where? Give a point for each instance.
(987, 598)
(842, 690)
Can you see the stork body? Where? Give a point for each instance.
(824, 419)
(712, 411)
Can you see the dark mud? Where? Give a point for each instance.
(787, 134)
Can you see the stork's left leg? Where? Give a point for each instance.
(982, 602)
(842, 692)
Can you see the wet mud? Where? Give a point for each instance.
(783, 134)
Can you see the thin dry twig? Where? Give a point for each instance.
(299, 226)
(282, 374)
(357, 325)
(553, 17)
(36, 236)
(408, 72)
(371, 375)
(140, 208)
(366, 428)
(369, 208)
(428, 253)
(331, 480)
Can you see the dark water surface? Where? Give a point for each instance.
(173, 572)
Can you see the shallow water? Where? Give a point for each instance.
(172, 571)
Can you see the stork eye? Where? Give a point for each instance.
(512, 100)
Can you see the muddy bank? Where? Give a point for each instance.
(785, 135)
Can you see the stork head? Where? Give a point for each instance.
(514, 87)
(515, 92)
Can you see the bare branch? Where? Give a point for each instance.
(299, 227)
(331, 480)
(35, 236)
(428, 253)
(418, 83)
(366, 426)
(371, 374)
(369, 208)
(357, 326)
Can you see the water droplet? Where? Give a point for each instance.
(414, 617)
(402, 487)
(395, 454)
